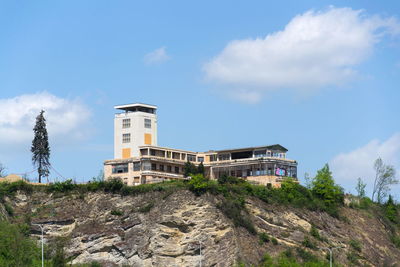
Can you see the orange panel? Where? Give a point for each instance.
(147, 139)
(126, 153)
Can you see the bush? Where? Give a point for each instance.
(198, 184)
(308, 243)
(146, 208)
(355, 244)
(263, 237)
(274, 241)
(62, 187)
(9, 209)
(234, 209)
(314, 232)
(117, 212)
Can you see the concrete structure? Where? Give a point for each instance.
(134, 127)
(138, 159)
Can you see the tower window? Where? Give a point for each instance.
(126, 138)
(147, 123)
(126, 123)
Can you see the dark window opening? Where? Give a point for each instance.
(242, 155)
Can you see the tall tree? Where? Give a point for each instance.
(200, 169)
(385, 177)
(40, 147)
(360, 188)
(2, 170)
(324, 187)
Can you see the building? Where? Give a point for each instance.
(138, 159)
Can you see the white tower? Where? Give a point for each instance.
(136, 126)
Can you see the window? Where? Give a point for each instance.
(153, 167)
(191, 157)
(121, 168)
(200, 159)
(176, 169)
(126, 123)
(223, 157)
(260, 154)
(136, 166)
(152, 152)
(161, 167)
(146, 166)
(126, 138)
(213, 157)
(169, 169)
(147, 123)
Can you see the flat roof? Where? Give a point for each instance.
(271, 147)
(129, 106)
(168, 148)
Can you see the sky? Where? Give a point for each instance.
(319, 77)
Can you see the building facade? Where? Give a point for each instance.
(138, 159)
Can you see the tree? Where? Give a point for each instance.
(385, 177)
(200, 169)
(324, 187)
(40, 147)
(360, 188)
(189, 169)
(2, 170)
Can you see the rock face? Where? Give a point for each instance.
(180, 229)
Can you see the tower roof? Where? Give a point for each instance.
(137, 107)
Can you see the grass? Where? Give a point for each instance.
(146, 208)
(117, 213)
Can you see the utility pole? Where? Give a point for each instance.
(41, 228)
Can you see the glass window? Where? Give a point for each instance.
(260, 153)
(200, 159)
(126, 138)
(161, 167)
(191, 157)
(126, 123)
(223, 157)
(153, 167)
(213, 157)
(120, 168)
(169, 169)
(147, 123)
(176, 169)
(146, 166)
(136, 166)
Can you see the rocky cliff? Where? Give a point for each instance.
(182, 229)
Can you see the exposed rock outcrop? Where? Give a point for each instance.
(180, 229)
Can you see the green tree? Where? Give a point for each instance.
(324, 187)
(2, 170)
(16, 249)
(200, 169)
(385, 177)
(189, 169)
(391, 210)
(40, 147)
(360, 188)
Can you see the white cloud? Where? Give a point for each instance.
(315, 50)
(66, 118)
(347, 167)
(157, 56)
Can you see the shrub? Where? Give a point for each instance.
(117, 212)
(314, 232)
(146, 208)
(355, 244)
(274, 241)
(234, 209)
(395, 240)
(308, 243)
(263, 237)
(198, 184)
(113, 185)
(9, 209)
(62, 187)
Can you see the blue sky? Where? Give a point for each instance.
(321, 78)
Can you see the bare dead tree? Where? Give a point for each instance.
(385, 177)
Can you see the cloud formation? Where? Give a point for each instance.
(157, 56)
(316, 49)
(347, 167)
(66, 118)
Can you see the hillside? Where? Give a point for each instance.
(164, 225)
